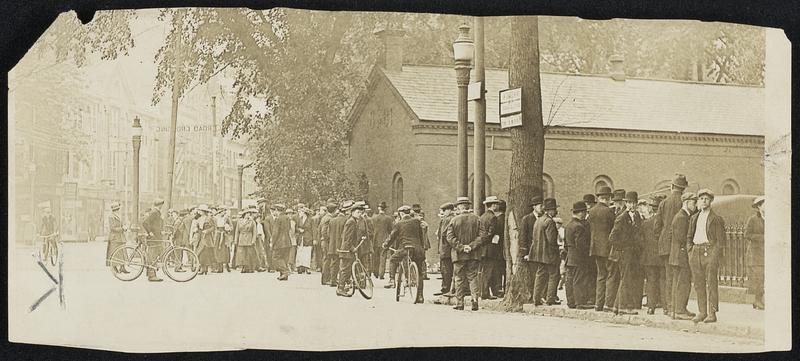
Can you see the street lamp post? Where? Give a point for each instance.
(137, 143)
(240, 168)
(463, 51)
(479, 133)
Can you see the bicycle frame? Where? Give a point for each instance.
(143, 244)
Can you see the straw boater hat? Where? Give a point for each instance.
(359, 205)
(462, 200)
(491, 200)
(758, 201)
(346, 205)
(404, 209)
(204, 208)
(158, 202)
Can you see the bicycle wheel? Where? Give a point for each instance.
(181, 264)
(362, 280)
(399, 279)
(413, 278)
(131, 259)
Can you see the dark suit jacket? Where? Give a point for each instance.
(649, 254)
(715, 232)
(352, 233)
(382, 224)
(153, 223)
(545, 242)
(303, 231)
(464, 230)
(754, 235)
(525, 236)
(441, 236)
(335, 231)
(601, 220)
(667, 210)
(678, 254)
(487, 231)
(577, 243)
(279, 230)
(625, 238)
(500, 231)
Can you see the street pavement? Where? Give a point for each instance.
(236, 311)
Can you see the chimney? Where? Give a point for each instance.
(617, 67)
(391, 57)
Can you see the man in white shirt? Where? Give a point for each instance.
(704, 241)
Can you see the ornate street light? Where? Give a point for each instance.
(241, 163)
(463, 52)
(136, 131)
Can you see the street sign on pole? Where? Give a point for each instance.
(474, 91)
(510, 108)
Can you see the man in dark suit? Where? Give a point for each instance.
(407, 238)
(356, 238)
(680, 282)
(281, 241)
(491, 248)
(335, 231)
(383, 227)
(463, 234)
(667, 210)
(619, 201)
(577, 242)
(152, 224)
(324, 241)
(625, 238)
(704, 240)
(525, 239)
(545, 253)
(445, 260)
(497, 283)
(649, 260)
(601, 220)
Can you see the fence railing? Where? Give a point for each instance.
(732, 267)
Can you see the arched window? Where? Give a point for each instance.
(548, 187)
(397, 190)
(602, 181)
(730, 186)
(487, 186)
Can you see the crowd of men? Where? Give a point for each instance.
(612, 251)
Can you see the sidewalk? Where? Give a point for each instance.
(734, 319)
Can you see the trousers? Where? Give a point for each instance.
(704, 262)
(489, 272)
(578, 285)
(601, 266)
(345, 263)
(627, 289)
(281, 260)
(546, 284)
(680, 287)
(653, 276)
(612, 283)
(446, 266)
(666, 287)
(466, 272)
(332, 269)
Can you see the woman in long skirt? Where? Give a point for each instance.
(205, 231)
(245, 241)
(116, 238)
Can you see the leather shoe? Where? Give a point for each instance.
(699, 318)
(490, 298)
(556, 302)
(608, 309)
(438, 293)
(458, 307)
(419, 300)
(686, 312)
(154, 279)
(681, 316)
(712, 317)
(474, 305)
(585, 307)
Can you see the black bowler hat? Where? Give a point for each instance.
(536, 200)
(604, 191)
(632, 196)
(550, 203)
(579, 207)
(589, 198)
(619, 195)
(680, 181)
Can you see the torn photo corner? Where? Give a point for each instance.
(201, 179)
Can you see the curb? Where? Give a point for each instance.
(655, 321)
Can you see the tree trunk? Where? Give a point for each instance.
(527, 142)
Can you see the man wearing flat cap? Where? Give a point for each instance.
(705, 239)
(625, 239)
(406, 238)
(680, 282)
(356, 239)
(601, 220)
(754, 253)
(463, 235)
(382, 224)
(445, 260)
(152, 224)
(667, 210)
(545, 254)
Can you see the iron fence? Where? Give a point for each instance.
(732, 267)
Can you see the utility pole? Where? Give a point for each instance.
(214, 148)
(479, 134)
(463, 52)
(176, 95)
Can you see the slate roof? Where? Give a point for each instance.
(597, 101)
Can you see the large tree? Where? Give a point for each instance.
(527, 142)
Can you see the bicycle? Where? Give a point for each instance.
(360, 278)
(407, 276)
(172, 259)
(50, 248)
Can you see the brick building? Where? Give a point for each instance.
(604, 130)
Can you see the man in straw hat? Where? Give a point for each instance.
(705, 239)
(356, 238)
(463, 234)
(601, 220)
(754, 254)
(667, 210)
(492, 249)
